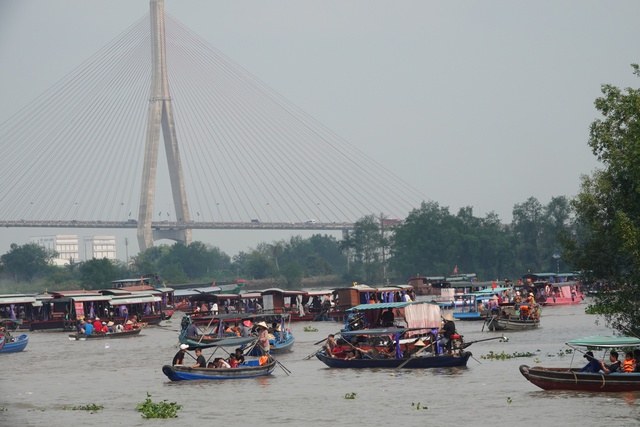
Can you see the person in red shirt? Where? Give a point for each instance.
(97, 325)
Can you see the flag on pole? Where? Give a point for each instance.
(455, 270)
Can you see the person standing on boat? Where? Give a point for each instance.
(245, 329)
(447, 331)
(178, 359)
(200, 360)
(263, 336)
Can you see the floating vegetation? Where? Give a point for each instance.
(505, 356)
(310, 329)
(417, 406)
(158, 410)
(93, 408)
(350, 395)
(536, 360)
(509, 400)
(503, 339)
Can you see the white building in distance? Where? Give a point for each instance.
(99, 247)
(66, 245)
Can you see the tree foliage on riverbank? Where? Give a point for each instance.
(606, 245)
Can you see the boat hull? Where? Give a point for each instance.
(16, 345)
(110, 335)
(185, 373)
(573, 379)
(439, 361)
(510, 324)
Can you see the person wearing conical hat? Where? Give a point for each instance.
(263, 336)
(447, 331)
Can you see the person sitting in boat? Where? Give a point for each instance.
(232, 360)
(518, 298)
(628, 364)
(615, 363)
(192, 331)
(636, 356)
(387, 318)
(447, 331)
(178, 359)
(128, 325)
(245, 329)
(110, 326)
(342, 349)
(239, 356)
(200, 360)
(593, 365)
(356, 352)
(330, 345)
(218, 363)
(118, 328)
(88, 328)
(79, 326)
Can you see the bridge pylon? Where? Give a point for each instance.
(160, 118)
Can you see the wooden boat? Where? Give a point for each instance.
(573, 379)
(2, 341)
(251, 368)
(15, 344)
(405, 352)
(78, 336)
(282, 341)
(471, 306)
(511, 317)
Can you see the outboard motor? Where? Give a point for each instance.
(356, 322)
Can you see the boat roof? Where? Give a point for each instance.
(380, 331)
(226, 342)
(17, 299)
(281, 291)
(605, 341)
(383, 305)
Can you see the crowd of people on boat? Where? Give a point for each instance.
(234, 359)
(383, 346)
(630, 363)
(96, 326)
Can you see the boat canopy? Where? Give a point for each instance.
(17, 300)
(605, 342)
(226, 342)
(379, 331)
(384, 305)
(134, 299)
(86, 298)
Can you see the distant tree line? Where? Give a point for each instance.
(431, 241)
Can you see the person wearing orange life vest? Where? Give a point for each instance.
(628, 364)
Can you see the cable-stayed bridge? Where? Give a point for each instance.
(238, 154)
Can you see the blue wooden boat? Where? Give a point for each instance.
(251, 368)
(1, 341)
(14, 345)
(471, 306)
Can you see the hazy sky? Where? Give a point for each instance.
(480, 103)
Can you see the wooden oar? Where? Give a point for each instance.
(413, 356)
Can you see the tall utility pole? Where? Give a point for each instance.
(160, 117)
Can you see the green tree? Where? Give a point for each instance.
(98, 273)
(26, 261)
(606, 244)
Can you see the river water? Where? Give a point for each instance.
(40, 385)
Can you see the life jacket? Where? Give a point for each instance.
(627, 365)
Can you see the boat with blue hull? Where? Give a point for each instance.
(250, 368)
(15, 344)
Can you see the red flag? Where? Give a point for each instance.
(455, 270)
